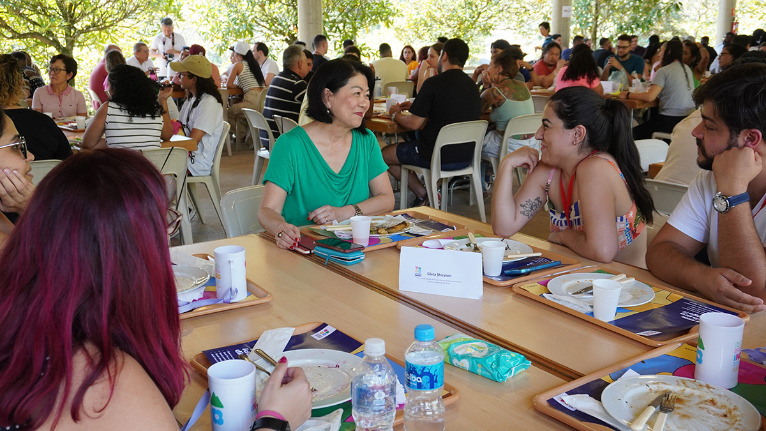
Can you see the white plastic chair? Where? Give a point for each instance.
(402, 87)
(539, 102)
(212, 182)
(240, 211)
(451, 134)
(40, 169)
(284, 124)
(257, 122)
(521, 125)
(651, 151)
(173, 161)
(665, 195)
(662, 136)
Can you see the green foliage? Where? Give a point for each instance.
(610, 18)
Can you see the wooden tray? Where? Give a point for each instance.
(260, 296)
(450, 394)
(542, 404)
(71, 128)
(306, 230)
(567, 263)
(685, 335)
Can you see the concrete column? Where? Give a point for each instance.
(309, 20)
(560, 24)
(724, 19)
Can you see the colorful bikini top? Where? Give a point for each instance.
(629, 226)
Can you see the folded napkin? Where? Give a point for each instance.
(329, 422)
(180, 258)
(570, 302)
(273, 342)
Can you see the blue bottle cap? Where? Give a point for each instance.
(424, 332)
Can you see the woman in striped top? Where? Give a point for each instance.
(247, 75)
(136, 116)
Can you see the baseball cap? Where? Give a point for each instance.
(196, 64)
(166, 21)
(240, 48)
(196, 49)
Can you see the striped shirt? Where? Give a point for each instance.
(246, 80)
(283, 97)
(133, 132)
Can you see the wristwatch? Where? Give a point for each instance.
(270, 423)
(723, 203)
(357, 210)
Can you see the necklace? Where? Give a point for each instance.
(566, 197)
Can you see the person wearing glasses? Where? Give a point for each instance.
(624, 61)
(108, 346)
(201, 115)
(59, 97)
(15, 180)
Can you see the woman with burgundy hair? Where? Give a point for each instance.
(87, 340)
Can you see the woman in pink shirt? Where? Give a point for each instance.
(59, 97)
(581, 71)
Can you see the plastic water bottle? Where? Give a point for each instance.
(373, 389)
(424, 372)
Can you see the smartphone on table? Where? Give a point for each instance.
(339, 245)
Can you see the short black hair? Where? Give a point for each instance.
(441, 39)
(555, 35)
(319, 39)
(332, 76)
(260, 46)
(550, 46)
(300, 42)
(457, 51)
(353, 50)
(739, 97)
(166, 21)
(704, 40)
(624, 37)
(546, 25)
(578, 39)
(500, 44)
(384, 49)
(654, 39)
(603, 41)
(743, 39)
(69, 63)
(347, 43)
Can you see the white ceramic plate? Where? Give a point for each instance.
(190, 282)
(700, 406)
(329, 372)
(514, 247)
(633, 294)
(376, 220)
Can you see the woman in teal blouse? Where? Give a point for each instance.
(332, 168)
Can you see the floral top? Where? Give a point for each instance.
(629, 226)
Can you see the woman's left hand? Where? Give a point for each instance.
(326, 214)
(15, 191)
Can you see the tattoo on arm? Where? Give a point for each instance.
(530, 207)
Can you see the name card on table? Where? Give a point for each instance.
(441, 272)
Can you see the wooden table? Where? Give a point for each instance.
(631, 104)
(174, 141)
(305, 292)
(558, 342)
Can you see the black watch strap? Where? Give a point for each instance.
(271, 423)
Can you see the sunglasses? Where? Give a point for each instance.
(22, 144)
(173, 219)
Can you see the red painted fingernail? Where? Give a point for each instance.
(308, 218)
(291, 247)
(283, 360)
(295, 244)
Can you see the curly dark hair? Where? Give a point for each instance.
(134, 92)
(581, 64)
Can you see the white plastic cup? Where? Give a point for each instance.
(232, 395)
(391, 91)
(492, 253)
(230, 268)
(80, 122)
(360, 229)
(607, 86)
(606, 296)
(718, 349)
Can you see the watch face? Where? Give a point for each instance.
(720, 203)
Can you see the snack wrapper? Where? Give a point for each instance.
(482, 358)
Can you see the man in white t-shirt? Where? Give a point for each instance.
(166, 46)
(388, 68)
(723, 208)
(269, 67)
(140, 58)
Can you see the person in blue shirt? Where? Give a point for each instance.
(623, 61)
(567, 53)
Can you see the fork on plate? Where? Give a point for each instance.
(667, 406)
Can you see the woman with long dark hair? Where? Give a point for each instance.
(246, 74)
(409, 58)
(581, 70)
(100, 342)
(136, 115)
(331, 168)
(202, 115)
(672, 87)
(589, 175)
(651, 61)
